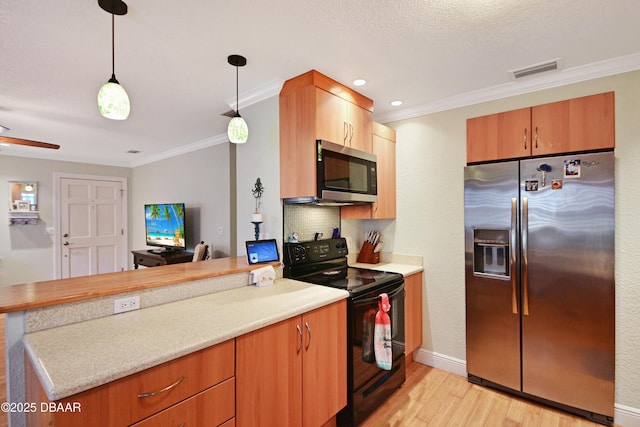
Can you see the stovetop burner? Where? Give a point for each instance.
(324, 263)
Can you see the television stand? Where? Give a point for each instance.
(152, 259)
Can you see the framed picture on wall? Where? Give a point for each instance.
(22, 205)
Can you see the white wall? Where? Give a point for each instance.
(26, 251)
(431, 155)
(259, 157)
(200, 179)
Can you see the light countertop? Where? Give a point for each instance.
(77, 357)
(392, 267)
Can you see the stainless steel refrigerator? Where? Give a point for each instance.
(540, 288)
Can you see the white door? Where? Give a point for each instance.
(91, 226)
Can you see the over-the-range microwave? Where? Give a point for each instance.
(344, 176)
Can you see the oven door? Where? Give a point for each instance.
(362, 324)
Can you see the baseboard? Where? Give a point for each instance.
(624, 416)
(441, 361)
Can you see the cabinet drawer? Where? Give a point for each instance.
(117, 403)
(212, 407)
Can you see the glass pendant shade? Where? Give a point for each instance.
(238, 131)
(113, 101)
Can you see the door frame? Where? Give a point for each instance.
(57, 179)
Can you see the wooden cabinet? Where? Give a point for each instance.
(214, 406)
(293, 373)
(340, 121)
(314, 106)
(580, 124)
(499, 136)
(412, 313)
(202, 381)
(384, 147)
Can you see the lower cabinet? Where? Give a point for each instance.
(199, 386)
(413, 313)
(293, 373)
(214, 406)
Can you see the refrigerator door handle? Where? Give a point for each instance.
(525, 256)
(512, 257)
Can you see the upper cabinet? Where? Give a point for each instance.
(314, 106)
(340, 121)
(384, 147)
(579, 124)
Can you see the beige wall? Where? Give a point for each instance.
(201, 180)
(431, 156)
(26, 251)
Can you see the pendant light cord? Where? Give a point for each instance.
(237, 99)
(113, 48)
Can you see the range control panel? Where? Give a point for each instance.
(314, 251)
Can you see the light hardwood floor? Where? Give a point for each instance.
(431, 397)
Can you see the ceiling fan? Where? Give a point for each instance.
(28, 142)
(20, 141)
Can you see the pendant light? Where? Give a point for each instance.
(113, 101)
(237, 131)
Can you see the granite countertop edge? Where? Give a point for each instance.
(67, 363)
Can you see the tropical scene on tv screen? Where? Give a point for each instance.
(165, 224)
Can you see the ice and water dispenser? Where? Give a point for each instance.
(491, 253)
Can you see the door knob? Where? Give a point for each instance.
(66, 243)
(65, 235)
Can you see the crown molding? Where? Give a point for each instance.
(184, 149)
(530, 84)
(257, 94)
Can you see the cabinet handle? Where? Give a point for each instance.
(308, 333)
(345, 132)
(536, 136)
(525, 138)
(350, 132)
(167, 388)
(300, 341)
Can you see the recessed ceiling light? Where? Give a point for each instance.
(359, 82)
(4, 144)
(396, 103)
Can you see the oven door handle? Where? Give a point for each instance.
(372, 299)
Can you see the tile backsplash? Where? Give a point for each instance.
(307, 220)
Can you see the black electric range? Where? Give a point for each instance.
(324, 262)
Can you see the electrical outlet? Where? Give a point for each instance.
(126, 304)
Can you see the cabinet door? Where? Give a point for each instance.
(324, 363)
(413, 312)
(499, 136)
(268, 376)
(384, 147)
(579, 124)
(331, 117)
(359, 124)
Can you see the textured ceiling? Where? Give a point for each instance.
(171, 58)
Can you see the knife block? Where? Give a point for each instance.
(367, 255)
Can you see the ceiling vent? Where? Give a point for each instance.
(535, 69)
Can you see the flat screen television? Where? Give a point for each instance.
(164, 225)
